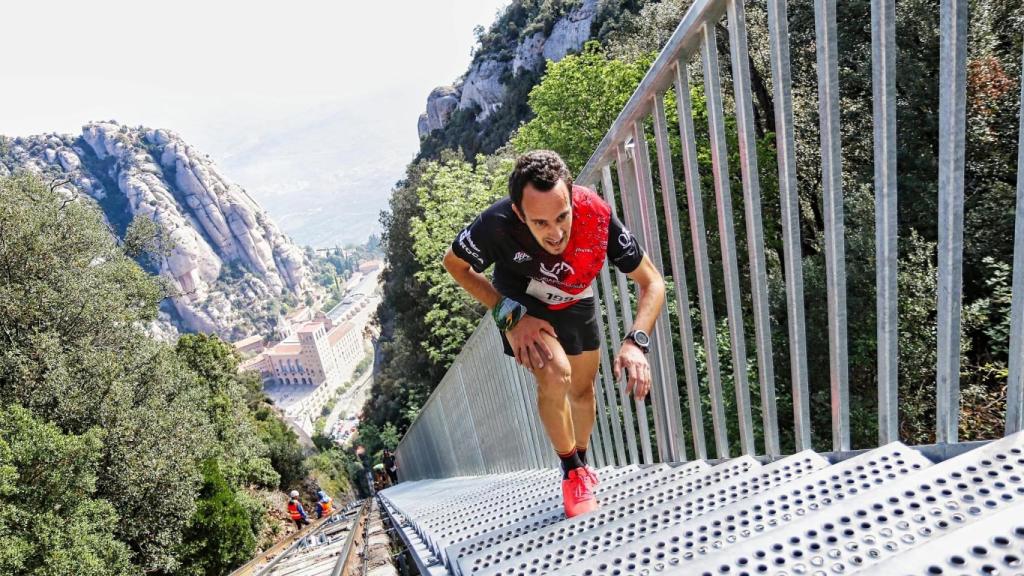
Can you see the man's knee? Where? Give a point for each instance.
(582, 393)
(554, 380)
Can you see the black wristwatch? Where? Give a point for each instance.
(641, 339)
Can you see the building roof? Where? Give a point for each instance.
(309, 327)
(339, 332)
(247, 342)
(285, 348)
(253, 363)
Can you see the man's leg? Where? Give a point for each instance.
(581, 395)
(554, 381)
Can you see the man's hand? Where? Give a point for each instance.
(527, 343)
(637, 368)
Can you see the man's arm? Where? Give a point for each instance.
(630, 357)
(525, 337)
(478, 286)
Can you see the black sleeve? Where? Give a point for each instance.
(623, 250)
(474, 244)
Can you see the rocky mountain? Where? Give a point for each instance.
(485, 85)
(228, 265)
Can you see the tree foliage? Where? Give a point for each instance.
(51, 520)
(170, 485)
(451, 193)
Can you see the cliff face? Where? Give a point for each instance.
(228, 260)
(484, 86)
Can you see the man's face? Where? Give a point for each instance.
(548, 215)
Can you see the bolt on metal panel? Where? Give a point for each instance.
(519, 554)
(883, 523)
(675, 535)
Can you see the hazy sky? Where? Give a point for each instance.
(223, 73)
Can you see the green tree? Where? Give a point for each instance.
(51, 520)
(220, 536)
(73, 306)
(451, 193)
(242, 454)
(577, 102)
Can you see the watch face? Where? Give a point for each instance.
(641, 338)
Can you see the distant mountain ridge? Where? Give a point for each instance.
(229, 260)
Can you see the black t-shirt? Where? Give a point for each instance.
(523, 269)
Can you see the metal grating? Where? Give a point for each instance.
(991, 547)
(514, 510)
(676, 534)
(624, 503)
(883, 523)
(590, 535)
(531, 516)
(606, 492)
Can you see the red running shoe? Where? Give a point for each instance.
(589, 476)
(576, 494)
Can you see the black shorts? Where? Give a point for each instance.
(576, 325)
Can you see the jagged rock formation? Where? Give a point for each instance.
(228, 260)
(482, 87)
(441, 103)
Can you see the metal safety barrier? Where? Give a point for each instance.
(483, 418)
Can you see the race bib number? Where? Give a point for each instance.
(551, 295)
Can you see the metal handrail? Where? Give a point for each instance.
(482, 418)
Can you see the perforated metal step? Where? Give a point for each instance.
(627, 500)
(887, 511)
(505, 510)
(610, 489)
(677, 533)
(994, 546)
(541, 511)
(884, 523)
(562, 546)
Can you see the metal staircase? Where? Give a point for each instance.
(890, 510)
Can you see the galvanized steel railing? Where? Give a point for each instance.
(482, 418)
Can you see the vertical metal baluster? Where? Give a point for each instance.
(672, 448)
(668, 194)
(627, 180)
(727, 233)
(544, 447)
(609, 386)
(832, 196)
(755, 230)
(1015, 380)
(611, 431)
(599, 434)
(952, 107)
(883, 74)
(613, 323)
(698, 235)
(778, 30)
(515, 401)
(476, 448)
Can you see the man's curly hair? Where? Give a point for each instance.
(540, 168)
